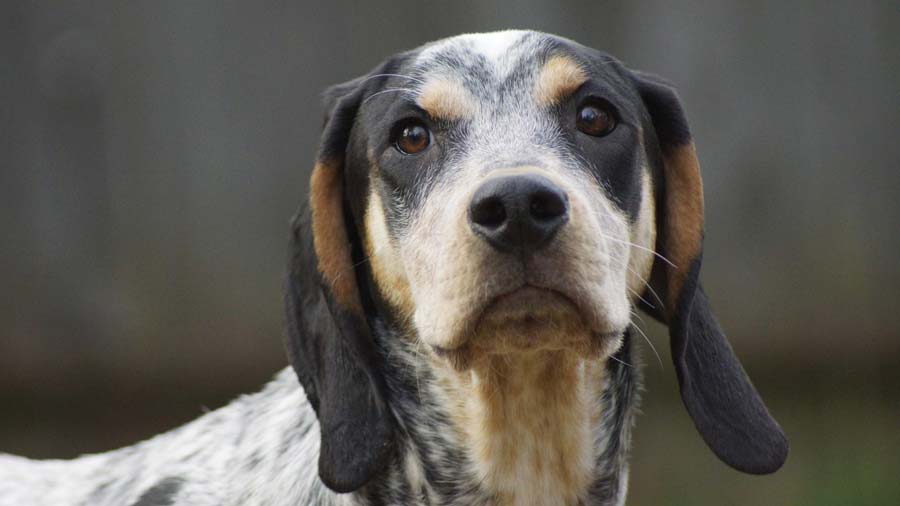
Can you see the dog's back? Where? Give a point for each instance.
(242, 446)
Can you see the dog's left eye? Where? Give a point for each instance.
(411, 137)
(595, 119)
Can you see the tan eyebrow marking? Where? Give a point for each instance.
(446, 99)
(559, 77)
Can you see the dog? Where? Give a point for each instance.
(485, 216)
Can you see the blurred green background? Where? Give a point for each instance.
(152, 153)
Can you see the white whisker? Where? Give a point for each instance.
(636, 315)
(662, 305)
(621, 362)
(645, 301)
(638, 246)
(650, 343)
(373, 95)
(411, 78)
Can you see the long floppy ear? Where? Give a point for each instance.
(716, 391)
(329, 341)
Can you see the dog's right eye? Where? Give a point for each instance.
(411, 137)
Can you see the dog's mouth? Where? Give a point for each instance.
(525, 319)
(528, 305)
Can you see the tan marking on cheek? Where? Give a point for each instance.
(330, 240)
(386, 265)
(558, 78)
(445, 263)
(446, 99)
(684, 216)
(643, 233)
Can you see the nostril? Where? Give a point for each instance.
(489, 212)
(547, 205)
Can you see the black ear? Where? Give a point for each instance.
(716, 391)
(329, 341)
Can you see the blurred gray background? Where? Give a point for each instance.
(151, 154)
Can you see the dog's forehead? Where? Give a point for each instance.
(495, 52)
(499, 72)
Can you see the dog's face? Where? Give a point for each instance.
(499, 193)
(509, 200)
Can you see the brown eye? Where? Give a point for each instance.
(595, 120)
(412, 137)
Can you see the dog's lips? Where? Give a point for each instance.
(527, 302)
(527, 317)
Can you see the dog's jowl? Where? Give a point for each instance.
(485, 217)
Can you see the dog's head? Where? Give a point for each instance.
(501, 193)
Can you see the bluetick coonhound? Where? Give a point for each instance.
(484, 217)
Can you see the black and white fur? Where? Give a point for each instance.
(375, 421)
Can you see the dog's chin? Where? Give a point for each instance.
(530, 320)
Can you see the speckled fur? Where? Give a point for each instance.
(262, 449)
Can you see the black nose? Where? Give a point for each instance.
(518, 214)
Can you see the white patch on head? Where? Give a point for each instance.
(491, 45)
(495, 47)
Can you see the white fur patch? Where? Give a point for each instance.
(498, 48)
(491, 45)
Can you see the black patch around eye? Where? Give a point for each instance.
(606, 138)
(408, 176)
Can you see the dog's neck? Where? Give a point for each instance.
(531, 428)
(528, 421)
